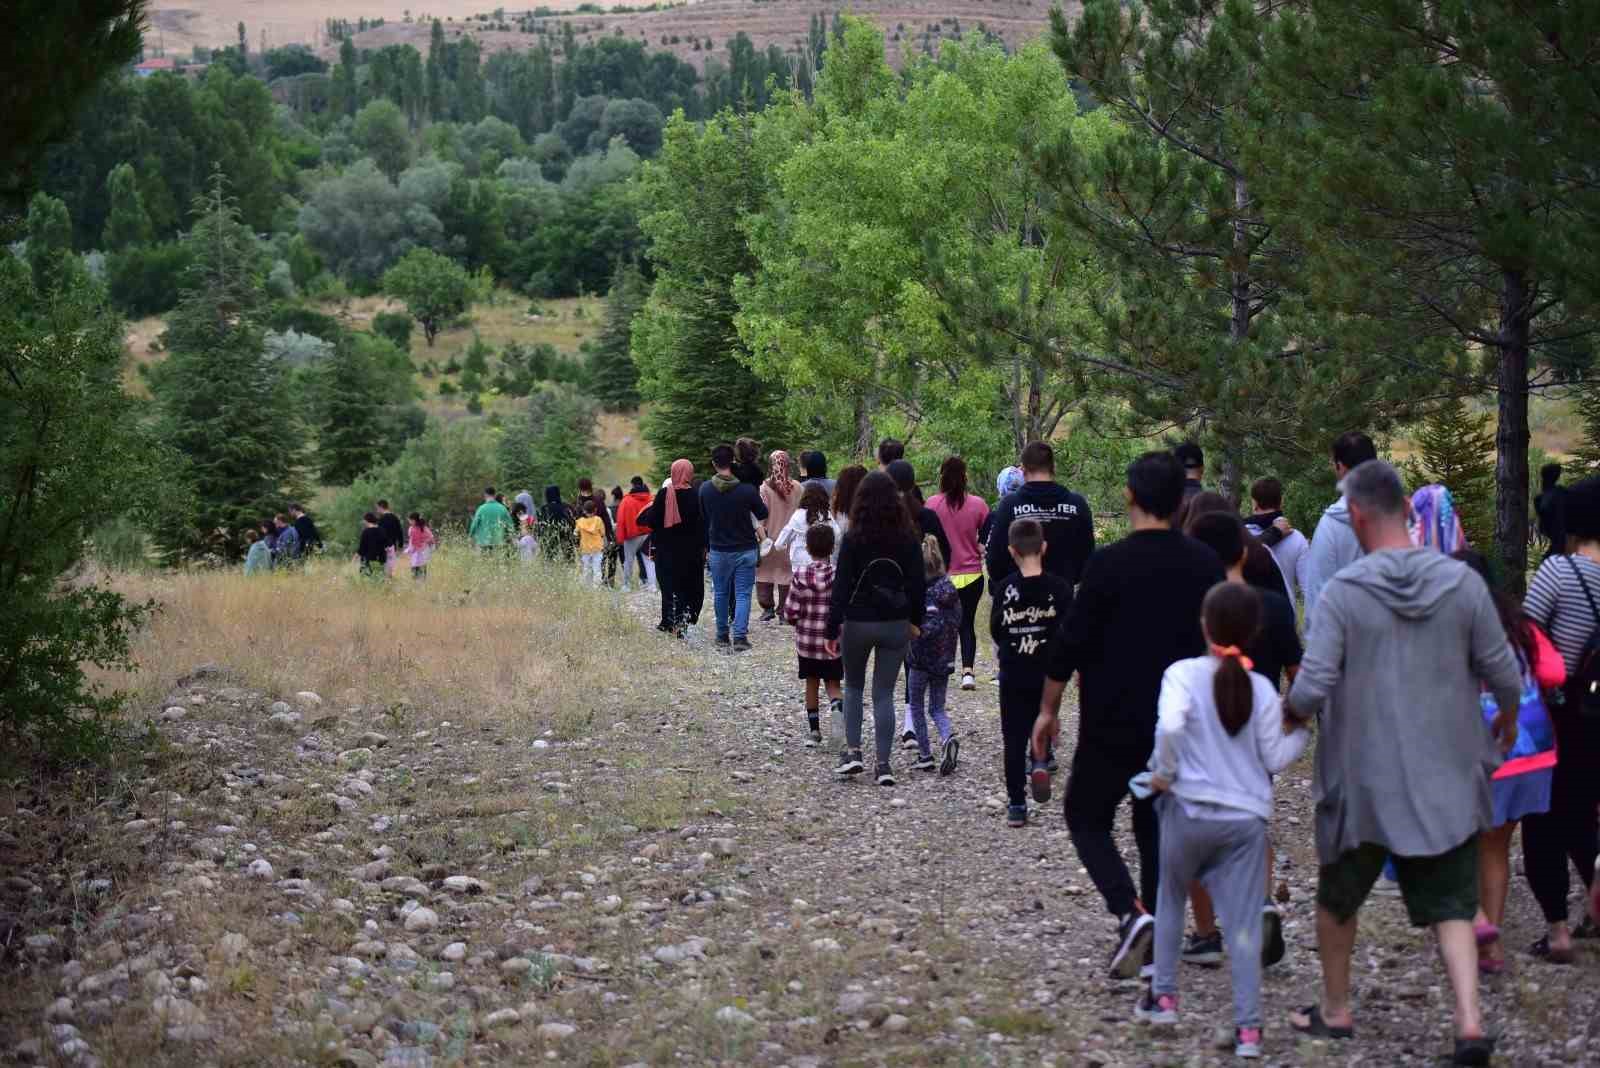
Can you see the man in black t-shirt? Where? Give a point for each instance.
(1137, 611)
(394, 535)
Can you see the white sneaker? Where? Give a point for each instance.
(968, 682)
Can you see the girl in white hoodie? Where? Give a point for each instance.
(1220, 736)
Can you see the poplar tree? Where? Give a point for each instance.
(127, 223)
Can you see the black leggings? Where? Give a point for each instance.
(970, 596)
(1568, 830)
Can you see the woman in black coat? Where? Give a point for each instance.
(680, 547)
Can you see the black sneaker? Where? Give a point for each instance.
(884, 776)
(769, 615)
(1039, 779)
(949, 756)
(1050, 761)
(1272, 944)
(908, 739)
(925, 762)
(814, 740)
(1134, 934)
(741, 645)
(1203, 949)
(722, 641)
(849, 763)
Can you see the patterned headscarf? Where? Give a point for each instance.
(682, 472)
(778, 475)
(1434, 522)
(1009, 482)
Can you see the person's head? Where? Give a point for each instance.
(681, 473)
(953, 480)
(268, 527)
(748, 450)
(844, 488)
(1260, 569)
(1231, 616)
(417, 521)
(814, 464)
(552, 495)
(1025, 537)
(251, 536)
(296, 511)
(1193, 460)
(1512, 617)
(1377, 501)
(819, 541)
(890, 450)
(1155, 487)
(488, 493)
(1582, 513)
(1009, 481)
(878, 515)
(370, 519)
(722, 457)
(932, 558)
(1267, 495)
(586, 487)
(383, 506)
(616, 492)
(903, 474)
(637, 485)
(1350, 450)
(1549, 475)
(1038, 462)
(814, 502)
(1223, 534)
(518, 510)
(589, 507)
(1202, 503)
(280, 520)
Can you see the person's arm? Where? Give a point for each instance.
(1083, 540)
(1172, 714)
(1319, 559)
(844, 581)
(476, 524)
(790, 531)
(1287, 645)
(1323, 662)
(1047, 724)
(1278, 748)
(1544, 593)
(997, 551)
(1495, 664)
(758, 507)
(936, 528)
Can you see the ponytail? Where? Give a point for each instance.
(1231, 614)
(933, 564)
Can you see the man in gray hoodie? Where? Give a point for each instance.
(1402, 642)
(1334, 545)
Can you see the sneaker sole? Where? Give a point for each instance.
(952, 749)
(885, 780)
(1155, 1018)
(1249, 1053)
(849, 769)
(1204, 960)
(1130, 956)
(1040, 779)
(969, 684)
(1272, 944)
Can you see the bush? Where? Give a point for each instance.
(147, 279)
(288, 316)
(396, 326)
(447, 388)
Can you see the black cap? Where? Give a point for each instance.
(1190, 456)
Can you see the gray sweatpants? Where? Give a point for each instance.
(1228, 857)
(856, 642)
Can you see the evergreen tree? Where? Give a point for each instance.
(613, 375)
(435, 73)
(128, 223)
(1587, 402)
(346, 98)
(552, 443)
(1455, 448)
(352, 399)
(49, 240)
(694, 369)
(223, 403)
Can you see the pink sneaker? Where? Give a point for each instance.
(1159, 1009)
(1247, 1042)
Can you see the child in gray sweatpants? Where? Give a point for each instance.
(1220, 736)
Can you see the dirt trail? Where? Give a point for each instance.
(665, 876)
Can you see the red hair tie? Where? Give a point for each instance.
(1233, 652)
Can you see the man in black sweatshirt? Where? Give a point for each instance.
(1064, 515)
(389, 523)
(1137, 611)
(729, 509)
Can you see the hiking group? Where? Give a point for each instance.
(1446, 714)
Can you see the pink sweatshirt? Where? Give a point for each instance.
(961, 527)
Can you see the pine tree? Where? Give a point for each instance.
(127, 223)
(352, 402)
(1587, 454)
(49, 239)
(613, 375)
(1455, 448)
(694, 370)
(223, 402)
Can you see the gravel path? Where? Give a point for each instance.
(667, 876)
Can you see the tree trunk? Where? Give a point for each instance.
(863, 421)
(1238, 324)
(1511, 435)
(1229, 475)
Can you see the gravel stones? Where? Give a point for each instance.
(421, 920)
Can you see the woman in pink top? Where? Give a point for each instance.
(962, 514)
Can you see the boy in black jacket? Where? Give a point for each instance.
(1028, 606)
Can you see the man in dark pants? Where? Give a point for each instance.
(394, 536)
(1136, 612)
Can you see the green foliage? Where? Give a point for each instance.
(1455, 448)
(552, 442)
(72, 450)
(128, 223)
(395, 327)
(360, 223)
(381, 132)
(434, 289)
(353, 392)
(148, 279)
(478, 353)
(440, 473)
(49, 240)
(613, 376)
(224, 404)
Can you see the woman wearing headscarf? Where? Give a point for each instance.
(781, 495)
(680, 548)
(1434, 522)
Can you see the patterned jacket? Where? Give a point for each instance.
(807, 609)
(934, 650)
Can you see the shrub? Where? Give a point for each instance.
(396, 326)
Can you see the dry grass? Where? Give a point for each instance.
(479, 639)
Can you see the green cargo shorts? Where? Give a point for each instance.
(1435, 889)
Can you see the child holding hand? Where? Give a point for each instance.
(932, 660)
(806, 610)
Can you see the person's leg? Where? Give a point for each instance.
(855, 649)
(1205, 910)
(1184, 850)
(1442, 892)
(891, 641)
(722, 590)
(764, 596)
(918, 681)
(630, 553)
(1090, 804)
(812, 686)
(1494, 880)
(971, 594)
(651, 582)
(744, 577)
(1235, 883)
(1341, 888)
(783, 597)
(1019, 707)
(1146, 835)
(938, 692)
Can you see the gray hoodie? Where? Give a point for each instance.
(1333, 548)
(1403, 638)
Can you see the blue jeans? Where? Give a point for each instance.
(735, 570)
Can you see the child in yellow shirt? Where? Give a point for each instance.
(591, 543)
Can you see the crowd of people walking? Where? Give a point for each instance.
(1446, 714)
